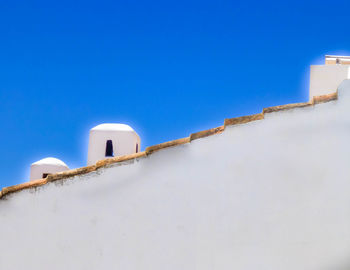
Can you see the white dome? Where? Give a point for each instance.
(112, 127)
(111, 140)
(50, 161)
(46, 166)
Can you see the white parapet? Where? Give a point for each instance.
(44, 167)
(110, 140)
(325, 79)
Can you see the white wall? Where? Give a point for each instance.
(124, 142)
(268, 195)
(46, 166)
(325, 79)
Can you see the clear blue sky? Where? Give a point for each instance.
(167, 68)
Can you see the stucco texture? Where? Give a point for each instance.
(268, 195)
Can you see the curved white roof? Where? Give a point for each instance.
(112, 127)
(50, 161)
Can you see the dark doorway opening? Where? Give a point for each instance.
(137, 148)
(109, 148)
(46, 174)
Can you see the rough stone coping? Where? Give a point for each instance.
(243, 119)
(157, 147)
(151, 149)
(104, 162)
(315, 100)
(325, 98)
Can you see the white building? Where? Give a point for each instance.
(44, 167)
(110, 140)
(265, 191)
(326, 78)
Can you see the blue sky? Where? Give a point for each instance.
(167, 68)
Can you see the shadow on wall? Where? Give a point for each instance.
(345, 265)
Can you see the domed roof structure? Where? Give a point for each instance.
(44, 167)
(112, 127)
(112, 139)
(50, 161)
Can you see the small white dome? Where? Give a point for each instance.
(112, 127)
(46, 166)
(50, 161)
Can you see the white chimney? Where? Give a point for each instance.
(110, 140)
(325, 79)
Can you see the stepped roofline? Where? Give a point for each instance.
(151, 149)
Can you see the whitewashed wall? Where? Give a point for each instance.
(325, 79)
(124, 140)
(269, 195)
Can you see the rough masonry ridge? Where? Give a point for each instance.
(151, 149)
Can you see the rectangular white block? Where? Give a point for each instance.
(325, 79)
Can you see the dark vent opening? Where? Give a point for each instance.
(46, 174)
(137, 148)
(109, 148)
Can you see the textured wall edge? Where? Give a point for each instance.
(107, 161)
(286, 107)
(70, 173)
(206, 133)
(243, 119)
(149, 150)
(325, 98)
(157, 147)
(26, 185)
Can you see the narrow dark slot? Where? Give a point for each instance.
(109, 148)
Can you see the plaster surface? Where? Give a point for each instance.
(123, 137)
(269, 195)
(325, 79)
(46, 166)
